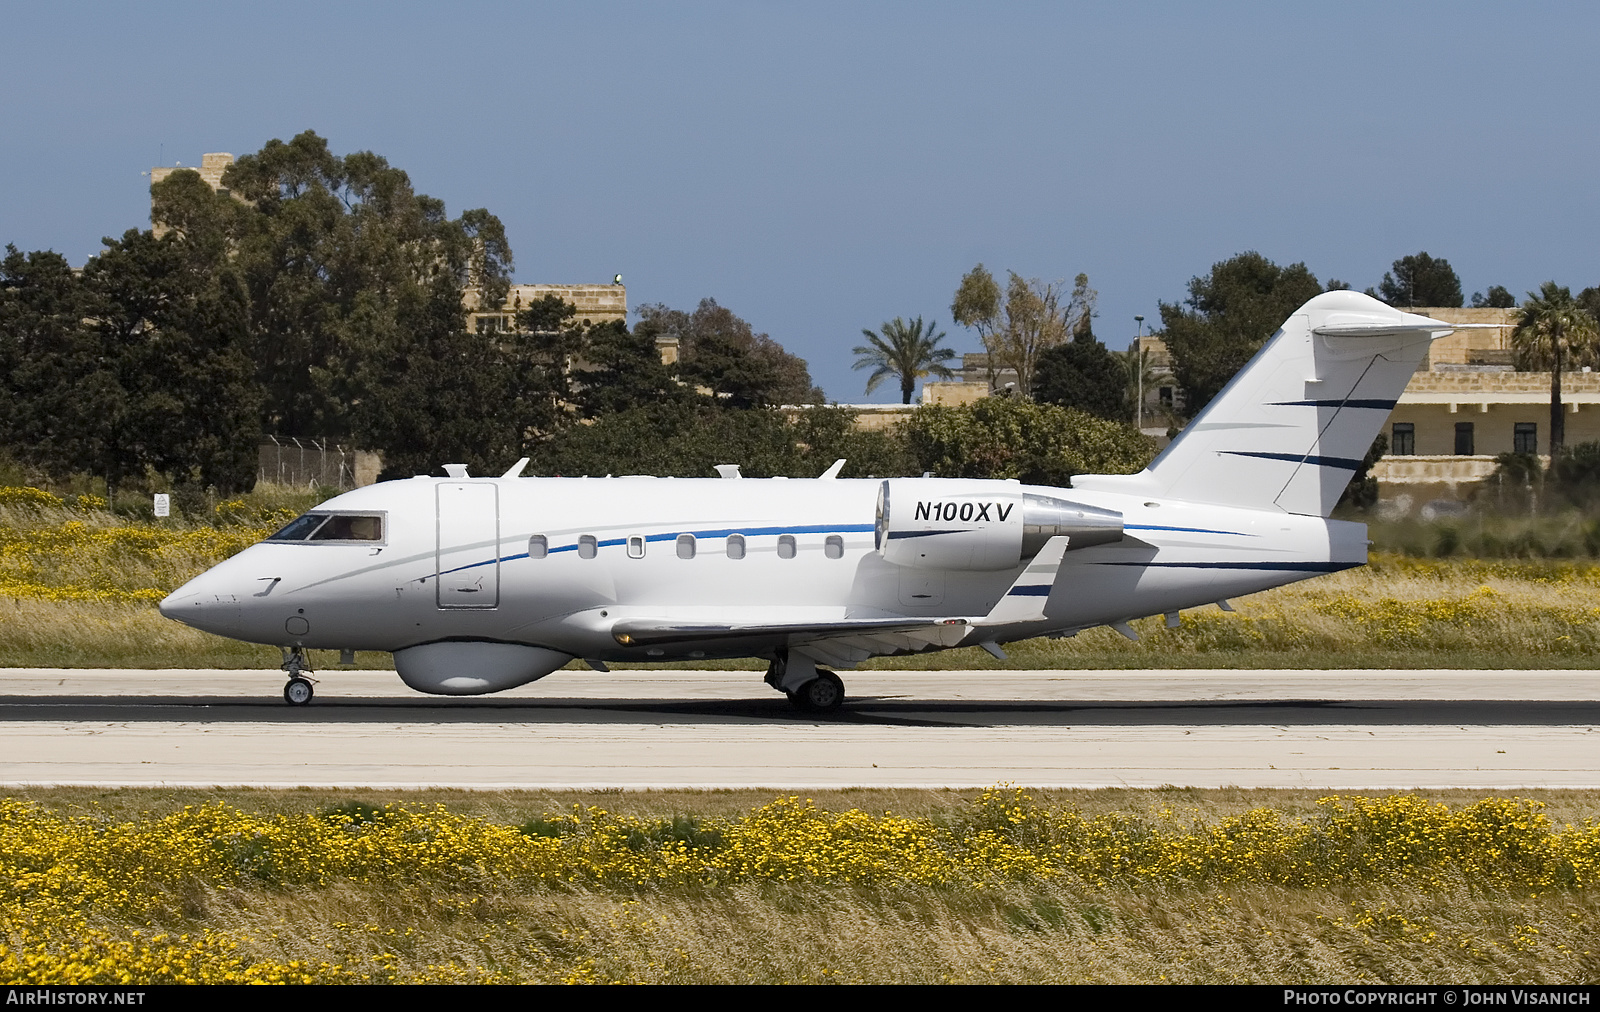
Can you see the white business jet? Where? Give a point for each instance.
(481, 584)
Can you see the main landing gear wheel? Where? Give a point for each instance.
(298, 692)
(823, 694)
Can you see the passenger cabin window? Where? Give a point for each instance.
(786, 546)
(538, 546)
(636, 547)
(736, 546)
(833, 548)
(587, 547)
(686, 546)
(1404, 441)
(332, 527)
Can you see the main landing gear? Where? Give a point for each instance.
(298, 690)
(809, 688)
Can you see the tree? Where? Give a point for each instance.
(64, 398)
(1042, 444)
(977, 306)
(617, 370)
(723, 353)
(1498, 298)
(1230, 314)
(907, 351)
(1036, 321)
(1420, 280)
(338, 253)
(1083, 374)
(1553, 332)
(1139, 376)
(1589, 299)
(689, 438)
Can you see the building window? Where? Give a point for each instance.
(1164, 395)
(1403, 443)
(1525, 437)
(491, 324)
(1464, 439)
(786, 546)
(833, 548)
(588, 547)
(736, 546)
(538, 546)
(636, 547)
(686, 546)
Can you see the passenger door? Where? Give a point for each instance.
(468, 558)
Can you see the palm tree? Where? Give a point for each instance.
(1139, 368)
(907, 350)
(1554, 332)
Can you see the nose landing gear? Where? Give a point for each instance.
(298, 690)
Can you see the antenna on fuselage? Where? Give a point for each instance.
(516, 469)
(456, 470)
(728, 471)
(833, 472)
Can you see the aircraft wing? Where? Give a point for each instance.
(847, 642)
(649, 632)
(843, 643)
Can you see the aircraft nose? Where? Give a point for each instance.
(204, 604)
(169, 604)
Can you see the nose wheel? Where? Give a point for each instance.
(298, 691)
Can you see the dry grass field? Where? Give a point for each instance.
(916, 887)
(78, 587)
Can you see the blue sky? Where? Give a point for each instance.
(820, 168)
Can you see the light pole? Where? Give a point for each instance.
(1138, 367)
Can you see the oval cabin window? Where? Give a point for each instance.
(736, 546)
(686, 546)
(587, 547)
(833, 548)
(538, 546)
(786, 546)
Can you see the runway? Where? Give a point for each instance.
(1325, 730)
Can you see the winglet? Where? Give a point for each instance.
(1025, 601)
(728, 471)
(516, 469)
(833, 472)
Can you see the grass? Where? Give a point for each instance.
(78, 586)
(1395, 613)
(1114, 886)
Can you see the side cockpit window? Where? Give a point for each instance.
(361, 527)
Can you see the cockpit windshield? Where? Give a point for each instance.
(332, 527)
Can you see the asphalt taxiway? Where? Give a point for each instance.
(1334, 730)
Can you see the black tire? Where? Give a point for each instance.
(298, 692)
(823, 694)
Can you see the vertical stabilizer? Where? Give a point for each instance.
(1290, 429)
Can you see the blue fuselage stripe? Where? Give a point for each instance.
(719, 533)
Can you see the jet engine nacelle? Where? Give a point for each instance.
(472, 668)
(979, 524)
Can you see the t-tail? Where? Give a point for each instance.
(1289, 431)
